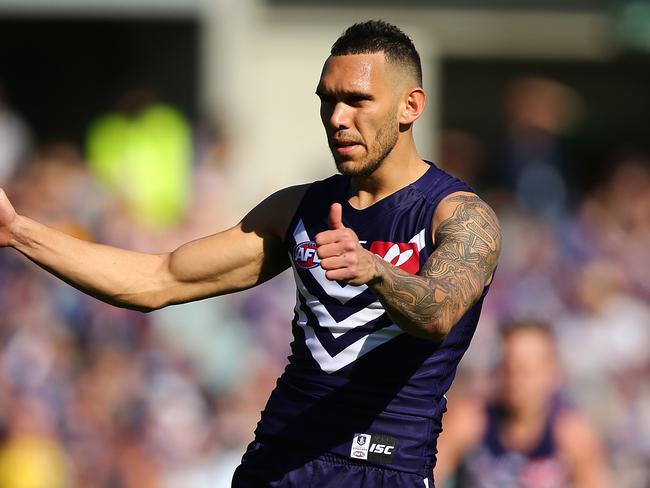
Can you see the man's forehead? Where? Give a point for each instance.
(354, 70)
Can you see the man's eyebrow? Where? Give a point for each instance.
(345, 94)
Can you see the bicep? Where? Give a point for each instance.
(243, 256)
(222, 263)
(466, 229)
(468, 243)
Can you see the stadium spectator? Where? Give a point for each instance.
(524, 436)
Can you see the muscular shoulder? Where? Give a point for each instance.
(469, 228)
(273, 215)
(469, 209)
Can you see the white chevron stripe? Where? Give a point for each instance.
(419, 239)
(363, 316)
(364, 345)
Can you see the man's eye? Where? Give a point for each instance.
(356, 101)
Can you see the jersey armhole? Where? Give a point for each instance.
(293, 220)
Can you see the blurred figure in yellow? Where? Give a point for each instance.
(31, 456)
(143, 152)
(526, 436)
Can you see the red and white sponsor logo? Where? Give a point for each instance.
(405, 256)
(305, 256)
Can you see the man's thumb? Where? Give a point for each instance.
(336, 216)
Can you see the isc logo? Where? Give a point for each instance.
(304, 255)
(380, 451)
(381, 448)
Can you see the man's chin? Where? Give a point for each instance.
(355, 168)
(346, 167)
(342, 165)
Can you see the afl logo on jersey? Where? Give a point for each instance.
(305, 256)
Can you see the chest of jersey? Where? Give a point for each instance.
(352, 372)
(342, 322)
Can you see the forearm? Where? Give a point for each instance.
(453, 278)
(428, 305)
(425, 306)
(119, 277)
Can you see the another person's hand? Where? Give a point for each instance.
(7, 219)
(341, 255)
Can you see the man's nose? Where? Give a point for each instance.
(340, 116)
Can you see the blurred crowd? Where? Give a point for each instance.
(575, 261)
(92, 395)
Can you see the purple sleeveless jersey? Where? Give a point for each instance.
(356, 385)
(493, 465)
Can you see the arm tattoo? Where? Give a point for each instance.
(452, 279)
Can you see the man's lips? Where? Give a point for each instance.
(344, 147)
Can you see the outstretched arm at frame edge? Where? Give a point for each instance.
(243, 256)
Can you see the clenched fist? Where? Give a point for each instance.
(341, 255)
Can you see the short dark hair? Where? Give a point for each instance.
(508, 329)
(375, 36)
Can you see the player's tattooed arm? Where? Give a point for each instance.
(453, 278)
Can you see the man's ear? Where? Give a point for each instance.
(414, 102)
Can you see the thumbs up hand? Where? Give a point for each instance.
(341, 255)
(336, 217)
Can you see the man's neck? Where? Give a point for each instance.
(522, 429)
(396, 172)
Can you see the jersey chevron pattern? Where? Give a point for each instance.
(335, 319)
(353, 375)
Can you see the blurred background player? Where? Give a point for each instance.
(526, 436)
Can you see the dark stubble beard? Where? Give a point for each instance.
(384, 142)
